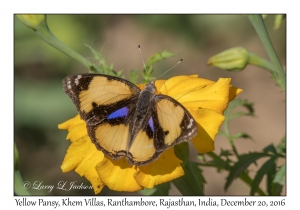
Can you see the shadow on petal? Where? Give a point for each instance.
(209, 123)
(118, 175)
(82, 156)
(164, 169)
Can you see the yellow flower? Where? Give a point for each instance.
(205, 100)
(33, 21)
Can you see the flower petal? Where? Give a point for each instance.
(69, 123)
(234, 92)
(209, 122)
(164, 169)
(76, 127)
(194, 93)
(118, 175)
(180, 83)
(83, 156)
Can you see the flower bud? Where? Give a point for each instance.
(32, 21)
(233, 59)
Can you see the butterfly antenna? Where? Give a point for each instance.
(139, 46)
(171, 68)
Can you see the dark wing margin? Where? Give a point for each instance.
(92, 92)
(172, 122)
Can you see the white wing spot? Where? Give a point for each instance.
(190, 124)
(76, 80)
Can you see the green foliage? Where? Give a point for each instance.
(158, 190)
(102, 66)
(239, 168)
(148, 69)
(192, 182)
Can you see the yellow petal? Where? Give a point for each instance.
(194, 93)
(213, 96)
(118, 175)
(164, 169)
(77, 131)
(209, 122)
(234, 92)
(76, 127)
(69, 123)
(179, 84)
(83, 156)
(93, 177)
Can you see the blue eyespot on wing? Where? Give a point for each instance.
(150, 123)
(123, 112)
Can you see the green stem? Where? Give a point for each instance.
(261, 30)
(228, 135)
(260, 62)
(44, 32)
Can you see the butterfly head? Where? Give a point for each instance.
(150, 87)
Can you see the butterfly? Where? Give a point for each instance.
(123, 120)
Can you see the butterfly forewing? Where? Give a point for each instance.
(96, 96)
(173, 123)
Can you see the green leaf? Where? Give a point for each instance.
(103, 66)
(220, 164)
(157, 57)
(265, 168)
(133, 76)
(192, 182)
(237, 114)
(97, 54)
(270, 148)
(279, 180)
(225, 153)
(270, 177)
(147, 78)
(182, 152)
(280, 175)
(241, 102)
(217, 162)
(237, 103)
(148, 69)
(281, 148)
(242, 135)
(158, 190)
(241, 165)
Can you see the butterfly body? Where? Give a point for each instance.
(123, 120)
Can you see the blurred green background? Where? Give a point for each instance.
(41, 104)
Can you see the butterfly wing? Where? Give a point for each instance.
(142, 149)
(168, 124)
(173, 124)
(106, 104)
(96, 96)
